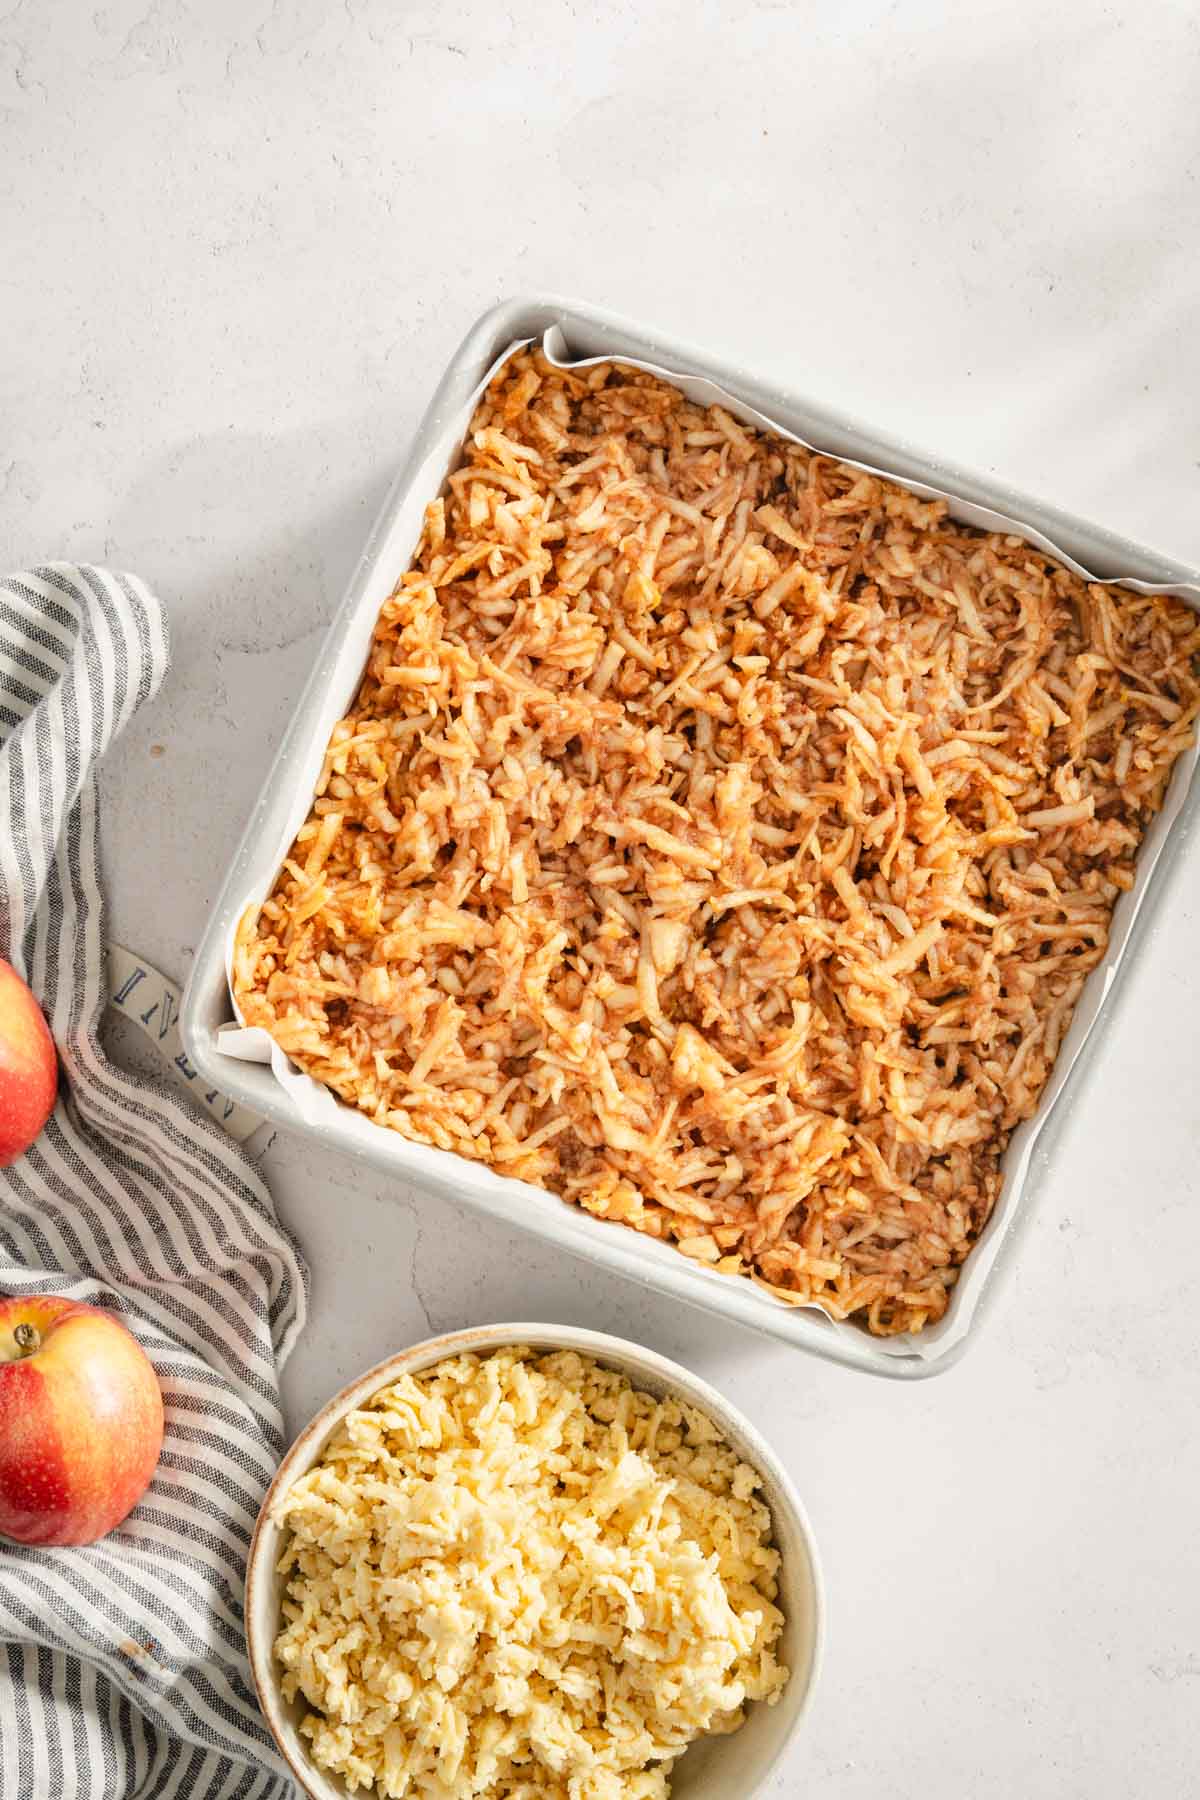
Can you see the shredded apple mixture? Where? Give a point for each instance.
(721, 838)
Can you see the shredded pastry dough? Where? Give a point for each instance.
(721, 838)
(520, 1578)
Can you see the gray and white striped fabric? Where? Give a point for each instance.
(123, 1671)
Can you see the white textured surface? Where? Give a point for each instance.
(239, 239)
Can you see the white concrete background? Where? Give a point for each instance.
(237, 241)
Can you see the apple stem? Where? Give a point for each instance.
(27, 1338)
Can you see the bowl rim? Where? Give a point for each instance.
(302, 1453)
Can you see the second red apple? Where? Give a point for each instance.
(28, 1066)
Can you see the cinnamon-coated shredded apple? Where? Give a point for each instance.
(721, 838)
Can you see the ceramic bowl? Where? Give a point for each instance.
(715, 1768)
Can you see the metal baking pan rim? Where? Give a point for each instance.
(206, 1002)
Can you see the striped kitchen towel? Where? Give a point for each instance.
(123, 1672)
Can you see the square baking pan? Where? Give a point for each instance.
(292, 1101)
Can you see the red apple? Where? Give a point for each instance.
(81, 1421)
(28, 1067)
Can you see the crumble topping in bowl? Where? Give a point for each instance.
(521, 1576)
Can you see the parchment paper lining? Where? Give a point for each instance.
(314, 1103)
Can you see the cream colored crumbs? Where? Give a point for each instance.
(520, 1578)
(721, 838)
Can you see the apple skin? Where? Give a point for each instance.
(28, 1066)
(81, 1421)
